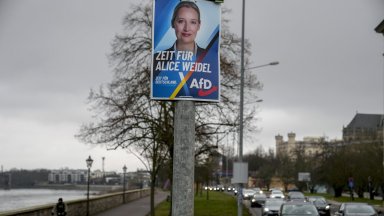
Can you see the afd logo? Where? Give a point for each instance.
(205, 87)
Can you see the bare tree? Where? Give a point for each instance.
(125, 117)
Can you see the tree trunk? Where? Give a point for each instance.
(197, 188)
(153, 180)
(338, 191)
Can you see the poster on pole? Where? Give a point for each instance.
(185, 50)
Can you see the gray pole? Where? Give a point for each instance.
(183, 159)
(226, 164)
(380, 29)
(240, 191)
(89, 175)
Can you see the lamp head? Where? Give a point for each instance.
(274, 63)
(89, 162)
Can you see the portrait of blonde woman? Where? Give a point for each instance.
(185, 49)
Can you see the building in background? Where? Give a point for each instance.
(134, 180)
(363, 129)
(67, 176)
(138, 179)
(309, 146)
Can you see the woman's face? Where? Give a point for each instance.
(186, 25)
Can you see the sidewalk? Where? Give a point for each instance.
(140, 207)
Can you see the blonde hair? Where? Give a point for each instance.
(187, 4)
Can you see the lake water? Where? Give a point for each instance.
(15, 199)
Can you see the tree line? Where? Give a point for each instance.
(21, 178)
(333, 167)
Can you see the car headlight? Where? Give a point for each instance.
(261, 192)
(282, 196)
(266, 209)
(253, 200)
(327, 207)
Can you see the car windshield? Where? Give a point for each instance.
(358, 209)
(299, 210)
(274, 202)
(297, 195)
(317, 200)
(248, 191)
(320, 201)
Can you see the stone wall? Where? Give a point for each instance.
(79, 207)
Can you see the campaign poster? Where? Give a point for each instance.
(185, 50)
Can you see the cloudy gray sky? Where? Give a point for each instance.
(53, 52)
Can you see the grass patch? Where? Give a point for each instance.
(219, 204)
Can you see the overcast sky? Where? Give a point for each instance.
(53, 52)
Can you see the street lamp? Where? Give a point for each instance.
(239, 194)
(89, 162)
(380, 29)
(125, 171)
(252, 102)
(241, 125)
(259, 66)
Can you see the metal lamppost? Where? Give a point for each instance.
(89, 162)
(240, 158)
(380, 29)
(124, 171)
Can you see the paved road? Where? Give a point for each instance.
(140, 207)
(334, 207)
(258, 211)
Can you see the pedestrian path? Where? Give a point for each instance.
(140, 207)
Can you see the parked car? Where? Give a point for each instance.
(272, 207)
(276, 194)
(321, 204)
(296, 196)
(258, 200)
(297, 208)
(361, 209)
